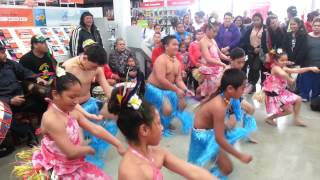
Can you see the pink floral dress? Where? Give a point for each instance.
(212, 73)
(50, 157)
(277, 95)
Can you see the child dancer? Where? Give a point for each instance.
(140, 124)
(212, 68)
(279, 100)
(209, 140)
(62, 152)
(243, 110)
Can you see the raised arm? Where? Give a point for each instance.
(301, 70)
(185, 169)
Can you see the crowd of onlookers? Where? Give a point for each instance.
(256, 35)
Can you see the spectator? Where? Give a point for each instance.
(291, 13)
(195, 57)
(309, 83)
(310, 17)
(148, 31)
(118, 58)
(86, 30)
(228, 36)
(198, 20)
(39, 60)
(238, 21)
(133, 21)
(172, 30)
(252, 46)
(181, 33)
(272, 39)
(295, 42)
(11, 93)
(155, 38)
(187, 24)
(246, 19)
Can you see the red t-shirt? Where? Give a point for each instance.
(107, 71)
(194, 53)
(156, 52)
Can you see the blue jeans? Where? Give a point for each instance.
(309, 82)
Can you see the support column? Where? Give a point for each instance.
(122, 16)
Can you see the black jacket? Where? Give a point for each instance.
(245, 40)
(11, 73)
(276, 38)
(298, 53)
(79, 35)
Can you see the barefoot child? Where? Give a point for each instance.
(243, 110)
(62, 151)
(140, 123)
(209, 140)
(279, 101)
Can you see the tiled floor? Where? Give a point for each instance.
(285, 152)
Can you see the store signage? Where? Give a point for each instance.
(154, 4)
(10, 17)
(71, 1)
(180, 2)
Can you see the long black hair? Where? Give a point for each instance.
(231, 77)
(83, 15)
(301, 29)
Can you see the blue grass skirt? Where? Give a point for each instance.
(156, 97)
(101, 147)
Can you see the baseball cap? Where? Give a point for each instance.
(292, 10)
(38, 39)
(88, 43)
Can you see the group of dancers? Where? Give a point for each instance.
(76, 137)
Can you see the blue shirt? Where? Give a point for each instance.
(181, 38)
(228, 36)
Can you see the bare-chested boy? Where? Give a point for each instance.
(209, 142)
(88, 67)
(166, 90)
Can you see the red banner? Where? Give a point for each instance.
(180, 2)
(16, 17)
(261, 7)
(155, 4)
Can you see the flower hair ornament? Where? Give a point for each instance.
(60, 71)
(130, 98)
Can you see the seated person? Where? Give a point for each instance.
(111, 77)
(11, 93)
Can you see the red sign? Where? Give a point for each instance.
(180, 2)
(16, 17)
(154, 4)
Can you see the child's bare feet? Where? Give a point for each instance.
(252, 140)
(299, 123)
(271, 122)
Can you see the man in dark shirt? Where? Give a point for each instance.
(38, 60)
(11, 92)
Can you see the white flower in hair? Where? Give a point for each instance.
(60, 71)
(135, 102)
(212, 20)
(279, 51)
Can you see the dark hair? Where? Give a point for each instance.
(64, 82)
(227, 14)
(174, 22)
(237, 53)
(271, 17)
(231, 77)
(301, 29)
(292, 10)
(238, 17)
(96, 54)
(130, 119)
(312, 15)
(277, 55)
(201, 14)
(156, 25)
(83, 15)
(259, 15)
(166, 40)
(317, 19)
(212, 22)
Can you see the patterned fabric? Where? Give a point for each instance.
(5, 120)
(50, 157)
(118, 62)
(101, 147)
(278, 96)
(212, 73)
(156, 97)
